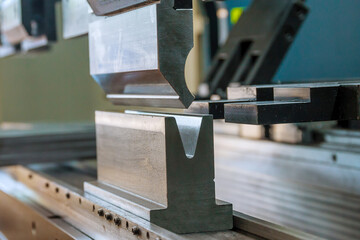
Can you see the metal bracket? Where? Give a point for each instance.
(161, 168)
(257, 44)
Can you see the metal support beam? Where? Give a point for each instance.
(257, 44)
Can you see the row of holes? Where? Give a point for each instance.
(127, 223)
(68, 196)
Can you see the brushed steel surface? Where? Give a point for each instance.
(292, 185)
(269, 230)
(138, 57)
(131, 153)
(160, 167)
(75, 18)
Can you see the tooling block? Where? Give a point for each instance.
(161, 168)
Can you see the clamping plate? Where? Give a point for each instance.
(160, 167)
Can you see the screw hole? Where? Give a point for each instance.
(147, 235)
(101, 212)
(108, 216)
(93, 208)
(127, 224)
(30, 176)
(136, 230)
(79, 200)
(33, 228)
(334, 158)
(47, 185)
(289, 33)
(68, 195)
(117, 221)
(57, 190)
(300, 13)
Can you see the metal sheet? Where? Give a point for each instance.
(214, 108)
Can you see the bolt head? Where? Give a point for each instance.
(117, 221)
(135, 230)
(108, 216)
(101, 212)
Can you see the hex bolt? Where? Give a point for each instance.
(117, 221)
(108, 216)
(101, 212)
(135, 230)
(289, 37)
(301, 14)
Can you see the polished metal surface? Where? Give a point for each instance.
(214, 108)
(75, 18)
(138, 57)
(296, 186)
(161, 168)
(251, 93)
